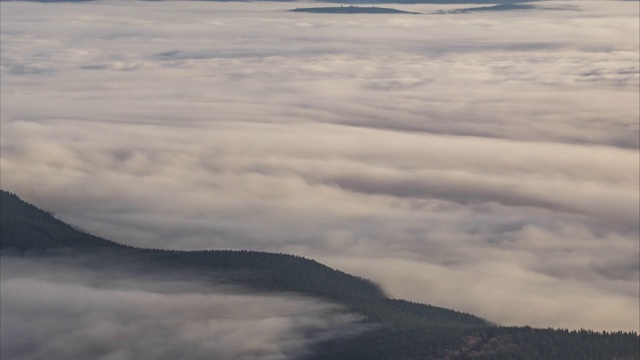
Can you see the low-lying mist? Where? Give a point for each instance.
(60, 308)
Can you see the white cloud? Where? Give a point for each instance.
(490, 152)
(57, 308)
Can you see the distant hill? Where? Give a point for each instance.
(351, 10)
(405, 330)
(359, 2)
(499, 7)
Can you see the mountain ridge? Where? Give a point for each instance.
(404, 329)
(28, 229)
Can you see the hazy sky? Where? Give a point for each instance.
(486, 162)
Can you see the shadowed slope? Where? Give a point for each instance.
(24, 226)
(28, 229)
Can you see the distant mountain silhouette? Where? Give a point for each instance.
(369, 2)
(351, 10)
(404, 330)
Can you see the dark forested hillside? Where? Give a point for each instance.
(403, 330)
(25, 227)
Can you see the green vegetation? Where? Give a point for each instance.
(400, 329)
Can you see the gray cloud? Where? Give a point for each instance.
(486, 162)
(57, 308)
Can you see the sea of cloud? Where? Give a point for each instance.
(487, 162)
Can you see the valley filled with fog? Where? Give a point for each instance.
(62, 308)
(486, 162)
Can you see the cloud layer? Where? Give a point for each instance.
(58, 309)
(486, 162)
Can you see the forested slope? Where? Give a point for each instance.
(24, 227)
(402, 330)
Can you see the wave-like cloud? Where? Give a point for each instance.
(60, 309)
(487, 162)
